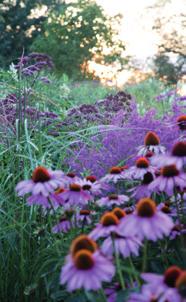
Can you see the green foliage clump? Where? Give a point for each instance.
(166, 70)
(19, 26)
(77, 31)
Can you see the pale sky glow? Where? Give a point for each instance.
(137, 23)
(137, 31)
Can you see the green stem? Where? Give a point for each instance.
(22, 242)
(144, 262)
(103, 295)
(177, 206)
(118, 266)
(133, 268)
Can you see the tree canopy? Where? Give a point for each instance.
(72, 33)
(78, 32)
(19, 26)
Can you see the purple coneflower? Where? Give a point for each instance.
(108, 224)
(177, 156)
(71, 178)
(112, 199)
(112, 291)
(116, 243)
(164, 207)
(142, 166)
(146, 222)
(83, 217)
(123, 245)
(181, 122)
(64, 225)
(85, 267)
(170, 178)
(94, 188)
(115, 174)
(151, 143)
(164, 286)
(146, 295)
(83, 242)
(75, 195)
(142, 190)
(56, 198)
(86, 270)
(181, 284)
(178, 230)
(42, 184)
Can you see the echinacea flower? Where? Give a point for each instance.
(116, 243)
(170, 178)
(176, 157)
(146, 295)
(164, 207)
(112, 291)
(83, 242)
(43, 183)
(91, 178)
(149, 295)
(142, 166)
(120, 213)
(83, 217)
(112, 199)
(95, 188)
(142, 190)
(75, 196)
(71, 178)
(115, 174)
(179, 154)
(86, 270)
(122, 245)
(181, 122)
(151, 143)
(146, 222)
(164, 285)
(56, 198)
(64, 225)
(181, 284)
(109, 223)
(178, 230)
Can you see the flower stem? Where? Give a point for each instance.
(144, 262)
(177, 205)
(133, 268)
(103, 295)
(118, 266)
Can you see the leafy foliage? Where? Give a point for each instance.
(165, 69)
(170, 59)
(75, 32)
(31, 256)
(19, 26)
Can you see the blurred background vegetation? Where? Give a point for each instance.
(74, 33)
(71, 33)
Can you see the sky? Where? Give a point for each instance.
(137, 30)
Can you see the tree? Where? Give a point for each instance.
(78, 32)
(18, 27)
(171, 56)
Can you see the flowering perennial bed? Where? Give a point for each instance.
(128, 224)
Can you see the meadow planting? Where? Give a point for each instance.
(93, 189)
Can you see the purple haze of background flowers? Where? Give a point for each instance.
(119, 140)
